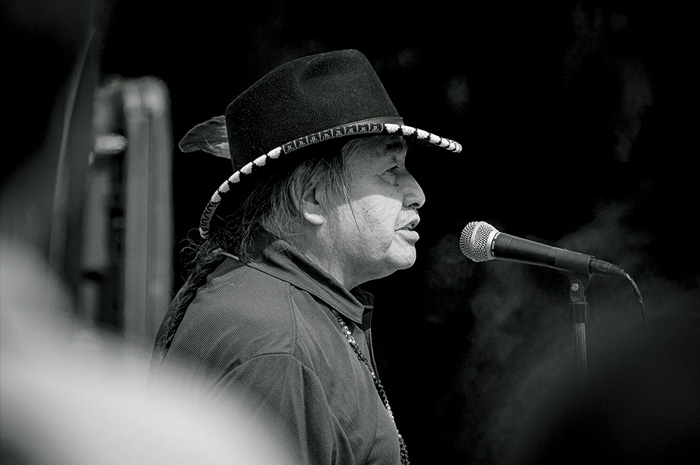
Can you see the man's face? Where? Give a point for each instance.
(372, 230)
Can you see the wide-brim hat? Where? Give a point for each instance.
(307, 101)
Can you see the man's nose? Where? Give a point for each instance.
(413, 196)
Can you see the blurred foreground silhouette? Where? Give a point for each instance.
(71, 393)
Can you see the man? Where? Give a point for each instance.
(322, 202)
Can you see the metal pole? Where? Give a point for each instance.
(579, 316)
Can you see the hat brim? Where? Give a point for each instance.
(381, 126)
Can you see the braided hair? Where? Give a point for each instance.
(272, 206)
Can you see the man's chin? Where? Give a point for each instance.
(406, 260)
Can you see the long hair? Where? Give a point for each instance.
(272, 206)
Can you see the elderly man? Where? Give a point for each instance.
(321, 202)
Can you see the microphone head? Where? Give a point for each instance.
(475, 241)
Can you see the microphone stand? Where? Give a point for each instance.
(579, 317)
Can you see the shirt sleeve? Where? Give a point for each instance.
(280, 391)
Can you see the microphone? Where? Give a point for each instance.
(481, 242)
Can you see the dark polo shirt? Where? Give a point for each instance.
(266, 329)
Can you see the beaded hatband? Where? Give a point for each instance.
(377, 383)
(359, 128)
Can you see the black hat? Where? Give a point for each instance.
(303, 102)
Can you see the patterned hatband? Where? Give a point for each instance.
(353, 129)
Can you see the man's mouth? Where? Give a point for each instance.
(410, 226)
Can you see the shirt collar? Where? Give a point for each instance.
(283, 261)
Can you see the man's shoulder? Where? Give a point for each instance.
(243, 293)
(236, 316)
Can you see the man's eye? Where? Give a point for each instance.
(394, 170)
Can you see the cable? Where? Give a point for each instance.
(639, 297)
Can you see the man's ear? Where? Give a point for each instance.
(311, 206)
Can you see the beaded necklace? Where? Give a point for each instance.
(377, 383)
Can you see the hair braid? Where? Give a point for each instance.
(272, 207)
(206, 259)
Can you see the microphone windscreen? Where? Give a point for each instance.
(474, 241)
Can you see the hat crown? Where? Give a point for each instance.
(304, 97)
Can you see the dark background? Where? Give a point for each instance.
(579, 123)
